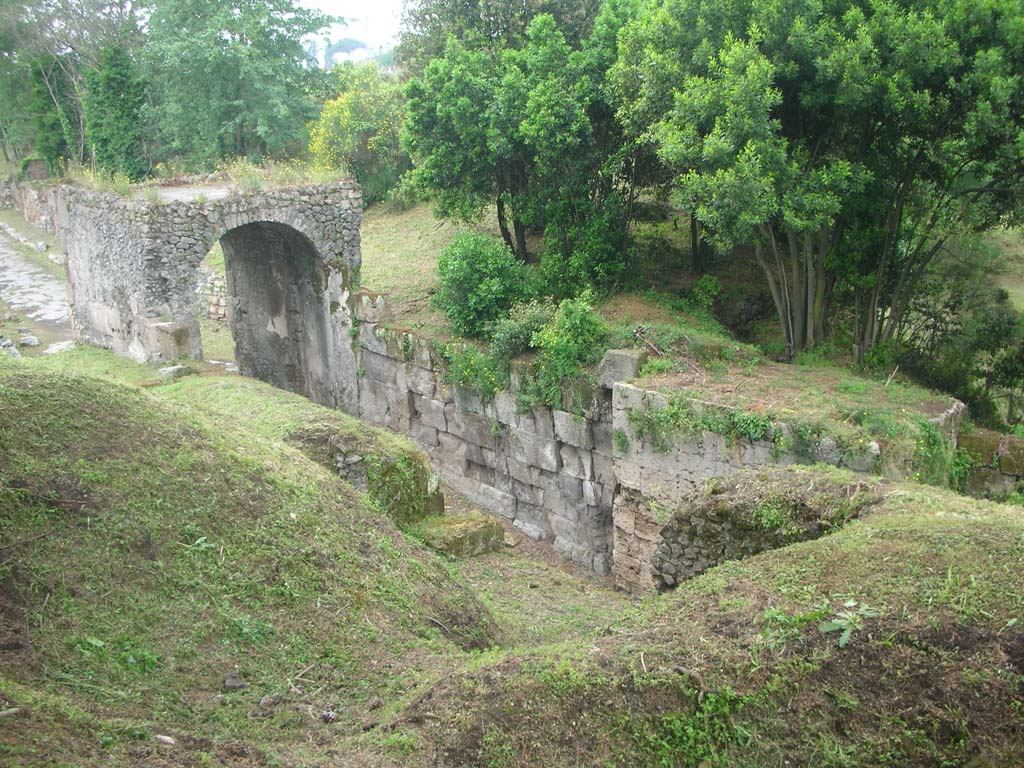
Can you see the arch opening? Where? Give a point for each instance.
(277, 312)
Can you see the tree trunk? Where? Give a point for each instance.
(520, 231)
(503, 223)
(696, 257)
(798, 282)
(239, 139)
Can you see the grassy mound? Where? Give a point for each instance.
(896, 641)
(186, 570)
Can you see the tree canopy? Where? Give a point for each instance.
(530, 132)
(846, 142)
(359, 129)
(229, 77)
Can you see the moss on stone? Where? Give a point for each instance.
(460, 536)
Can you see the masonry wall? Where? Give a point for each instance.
(133, 273)
(584, 481)
(653, 481)
(212, 293)
(997, 463)
(547, 471)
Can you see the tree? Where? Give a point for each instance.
(843, 141)
(483, 25)
(359, 129)
(530, 132)
(113, 115)
(49, 108)
(54, 42)
(228, 77)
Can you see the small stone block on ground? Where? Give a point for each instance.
(465, 535)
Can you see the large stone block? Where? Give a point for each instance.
(424, 435)
(522, 471)
(486, 496)
(422, 381)
(431, 413)
(572, 429)
(534, 450)
(470, 426)
(620, 365)
(379, 367)
(576, 462)
(463, 535)
(507, 411)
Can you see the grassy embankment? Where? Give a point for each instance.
(156, 537)
(751, 663)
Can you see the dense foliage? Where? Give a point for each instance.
(228, 77)
(480, 281)
(851, 151)
(113, 115)
(847, 141)
(223, 79)
(529, 131)
(358, 130)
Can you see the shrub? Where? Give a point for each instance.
(511, 336)
(480, 280)
(572, 339)
(469, 367)
(703, 294)
(358, 130)
(593, 250)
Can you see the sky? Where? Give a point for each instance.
(375, 22)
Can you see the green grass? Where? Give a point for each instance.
(154, 540)
(1010, 243)
(218, 343)
(400, 250)
(736, 668)
(155, 535)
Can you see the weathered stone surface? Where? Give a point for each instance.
(534, 450)
(573, 429)
(291, 256)
(620, 365)
(990, 483)
(292, 266)
(465, 535)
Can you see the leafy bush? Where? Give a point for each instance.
(511, 336)
(703, 294)
(469, 367)
(593, 254)
(359, 129)
(114, 126)
(480, 280)
(575, 337)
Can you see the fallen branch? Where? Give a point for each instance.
(432, 620)
(47, 532)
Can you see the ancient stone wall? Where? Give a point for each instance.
(40, 205)
(751, 511)
(996, 463)
(213, 294)
(547, 471)
(654, 477)
(133, 270)
(584, 479)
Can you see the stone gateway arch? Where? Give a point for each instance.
(291, 259)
